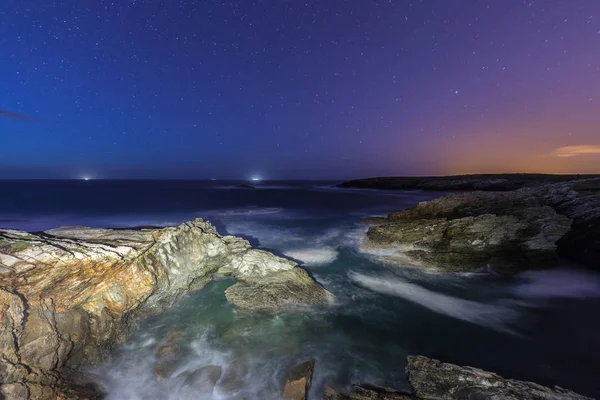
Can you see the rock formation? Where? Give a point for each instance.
(505, 231)
(69, 295)
(298, 381)
(434, 380)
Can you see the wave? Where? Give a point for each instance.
(313, 256)
(133, 374)
(243, 211)
(268, 235)
(557, 283)
(494, 316)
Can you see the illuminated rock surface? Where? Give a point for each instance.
(70, 295)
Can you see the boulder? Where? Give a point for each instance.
(526, 226)
(234, 376)
(203, 380)
(298, 381)
(70, 295)
(503, 231)
(372, 392)
(278, 290)
(330, 393)
(166, 357)
(433, 379)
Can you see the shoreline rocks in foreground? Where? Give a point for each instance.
(505, 231)
(433, 379)
(70, 295)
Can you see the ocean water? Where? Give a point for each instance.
(540, 326)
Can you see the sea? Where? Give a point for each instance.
(540, 325)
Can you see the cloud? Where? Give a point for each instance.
(12, 115)
(579, 150)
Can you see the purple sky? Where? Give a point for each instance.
(298, 89)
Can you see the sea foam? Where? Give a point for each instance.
(313, 256)
(493, 316)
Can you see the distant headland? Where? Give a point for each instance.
(492, 182)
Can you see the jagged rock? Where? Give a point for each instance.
(433, 379)
(298, 381)
(507, 231)
(280, 289)
(372, 392)
(203, 380)
(69, 295)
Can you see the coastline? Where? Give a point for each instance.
(534, 217)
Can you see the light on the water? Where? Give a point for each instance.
(255, 178)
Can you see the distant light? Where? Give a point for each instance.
(86, 178)
(255, 178)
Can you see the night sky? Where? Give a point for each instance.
(298, 89)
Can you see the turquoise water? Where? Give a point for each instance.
(539, 326)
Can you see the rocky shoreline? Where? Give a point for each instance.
(502, 231)
(432, 379)
(70, 295)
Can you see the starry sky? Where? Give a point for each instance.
(311, 89)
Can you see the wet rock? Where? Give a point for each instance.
(298, 381)
(506, 232)
(506, 243)
(372, 392)
(234, 376)
(173, 336)
(163, 369)
(433, 379)
(330, 393)
(203, 379)
(282, 289)
(168, 352)
(533, 219)
(166, 357)
(70, 295)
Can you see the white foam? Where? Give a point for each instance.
(489, 315)
(563, 283)
(313, 256)
(268, 235)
